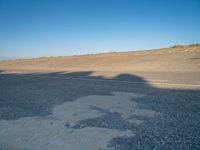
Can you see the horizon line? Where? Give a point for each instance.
(103, 52)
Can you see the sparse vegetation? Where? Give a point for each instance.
(178, 46)
(194, 45)
(181, 46)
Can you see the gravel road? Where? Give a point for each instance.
(80, 112)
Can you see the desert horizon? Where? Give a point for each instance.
(175, 58)
(99, 75)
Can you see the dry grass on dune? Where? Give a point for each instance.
(176, 58)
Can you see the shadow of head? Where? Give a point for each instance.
(130, 77)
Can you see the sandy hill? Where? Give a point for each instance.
(178, 58)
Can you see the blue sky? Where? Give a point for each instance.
(35, 28)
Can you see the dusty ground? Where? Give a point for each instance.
(115, 101)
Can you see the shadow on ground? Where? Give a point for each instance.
(34, 94)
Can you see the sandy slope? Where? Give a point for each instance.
(166, 59)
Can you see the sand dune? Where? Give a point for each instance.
(185, 58)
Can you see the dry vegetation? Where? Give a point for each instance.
(181, 46)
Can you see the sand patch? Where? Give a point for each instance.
(57, 131)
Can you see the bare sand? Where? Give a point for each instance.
(184, 59)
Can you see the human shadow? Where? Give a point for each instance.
(175, 127)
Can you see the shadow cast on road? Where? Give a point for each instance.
(177, 126)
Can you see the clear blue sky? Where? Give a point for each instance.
(34, 28)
